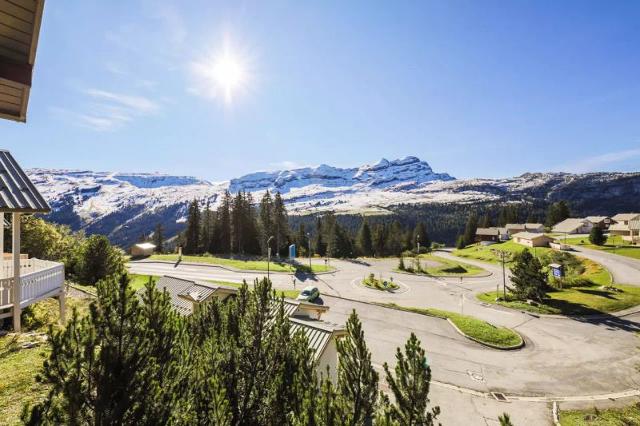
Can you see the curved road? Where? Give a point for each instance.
(563, 356)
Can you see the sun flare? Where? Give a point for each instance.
(229, 74)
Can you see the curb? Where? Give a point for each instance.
(501, 348)
(226, 268)
(488, 274)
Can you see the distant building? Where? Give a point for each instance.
(187, 295)
(532, 239)
(142, 249)
(627, 225)
(487, 235)
(573, 226)
(601, 222)
(514, 228)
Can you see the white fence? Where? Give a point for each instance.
(39, 278)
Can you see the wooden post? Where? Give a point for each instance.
(17, 285)
(61, 301)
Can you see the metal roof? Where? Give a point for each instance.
(17, 193)
(319, 333)
(570, 225)
(487, 231)
(178, 288)
(19, 32)
(531, 235)
(623, 217)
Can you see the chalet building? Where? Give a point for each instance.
(187, 295)
(573, 226)
(532, 239)
(487, 235)
(514, 228)
(627, 226)
(601, 222)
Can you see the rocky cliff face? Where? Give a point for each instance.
(126, 205)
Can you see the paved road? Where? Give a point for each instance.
(625, 270)
(563, 357)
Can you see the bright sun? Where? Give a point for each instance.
(229, 74)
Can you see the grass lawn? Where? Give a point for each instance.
(610, 417)
(445, 268)
(18, 367)
(138, 281)
(609, 246)
(485, 253)
(251, 265)
(473, 327)
(576, 301)
(378, 284)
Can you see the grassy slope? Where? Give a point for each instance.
(252, 265)
(610, 246)
(486, 254)
(476, 328)
(610, 417)
(18, 367)
(449, 267)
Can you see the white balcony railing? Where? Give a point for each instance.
(39, 279)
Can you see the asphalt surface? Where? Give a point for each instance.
(562, 357)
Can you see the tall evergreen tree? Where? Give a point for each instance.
(557, 212)
(410, 386)
(115, 366)
(158, 238)
(280, 222)
(223, 224)
(470, 229)
(319, 245)
(528, 278)
(357, 380)
(302, 241)
(395, 237)
(97, 259)
(193, 231)
(364, 242)
(208, 229)
(380, 236)
(596, 236)
(421, 236)
(266, 221)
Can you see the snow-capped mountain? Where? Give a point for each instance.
(126, 205)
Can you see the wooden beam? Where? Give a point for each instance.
(17, 73)
(17, 284)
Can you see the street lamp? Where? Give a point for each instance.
(268, 255)
(418, 244)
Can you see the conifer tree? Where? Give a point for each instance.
(208, 229)
(410, 386)
(302, 241)
(158, 238)
(364, 243)
(97, 259)
(421, 236)
(470, 229)
(357, 380)
(319, 244)
(395, 237)
(528, 278)
(596, 236)
(223, 225)
(266, 221)
(505, 420)
(116, 365)
(280, 223)
(193, 231)
(379, 237)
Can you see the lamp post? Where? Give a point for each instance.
(269, 255)
(418, 244)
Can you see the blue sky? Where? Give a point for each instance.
(476, 88)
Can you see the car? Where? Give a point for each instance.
(309, 294)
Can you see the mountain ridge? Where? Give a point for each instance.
(120, 204)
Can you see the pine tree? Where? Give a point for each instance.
(116, 365)
(410, 386)
(395, 236)
(357, 380)
(596, 236)
(208, 229)
(193, 231)
(364, 243)
(470, 229)
(266, 221)
(421, 236)
(505, 420)
(460, 242)
(528, 278)
(302, 241)
(223, 225)
(97, 259)
(158, 238)
(401, 265)
(557, 212)
(280, 223)
(319, 244)
(485, 221)
(379, 237)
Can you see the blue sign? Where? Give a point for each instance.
(557, 272)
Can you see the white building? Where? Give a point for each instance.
(573, 226)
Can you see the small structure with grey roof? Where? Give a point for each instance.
(573, 226)
(514, 228)
(142, 249)
(532, 239)
(187, 295)
(23, 281)
(601, 222)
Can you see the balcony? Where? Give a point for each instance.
(39, 279)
